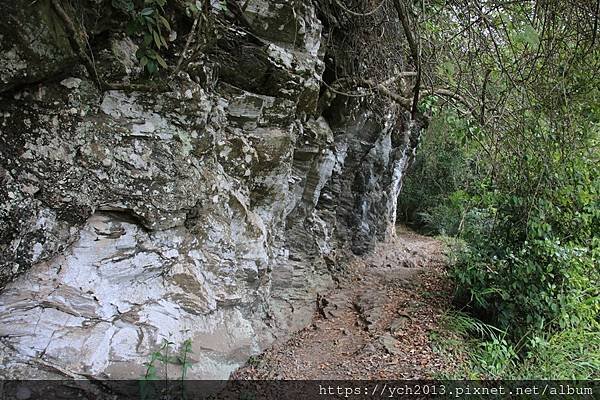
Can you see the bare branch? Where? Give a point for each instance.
(452, 95)
(356, 14)
(483, 90)
(187, 46)
(399, 76)
(402, 101)
(76, 38)
(414, 49)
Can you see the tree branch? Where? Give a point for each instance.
(76, 37)
(414, 50)
(356, 14)
(454, 96)
(400, 75)
(402, 101)
(483, 90)
(187, 45)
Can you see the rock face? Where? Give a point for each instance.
(214, 211)
(33, 44)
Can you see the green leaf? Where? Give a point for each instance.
(531, 36)
(147, 39)
(157, 40)
(140, 53)
(161, 61)
(152, 67)
(164, 21)
(193, 9)
(147, 11)
(126, 6)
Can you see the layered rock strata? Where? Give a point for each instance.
(213, 211)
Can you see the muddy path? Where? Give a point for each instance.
(377, 324)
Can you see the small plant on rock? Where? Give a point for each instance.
(150, 23)
(164, 356)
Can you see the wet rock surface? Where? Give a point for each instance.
(217, 210)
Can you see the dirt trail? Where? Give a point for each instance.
(375, 325)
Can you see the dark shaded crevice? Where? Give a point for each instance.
(124, 215)
(15, 90)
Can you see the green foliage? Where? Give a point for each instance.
(486, 352)
(162, 358)
(254, 361)
(148, 22)
(194, 7)
(517, 178)
(186, 350)
(466, 325)
(537, 266)
(528, 263)
(432, 197)
(495, 357)
(571, 354)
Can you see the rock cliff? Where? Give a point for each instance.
(214, 209)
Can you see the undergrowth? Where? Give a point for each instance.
(482, 351)
(522, 209)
